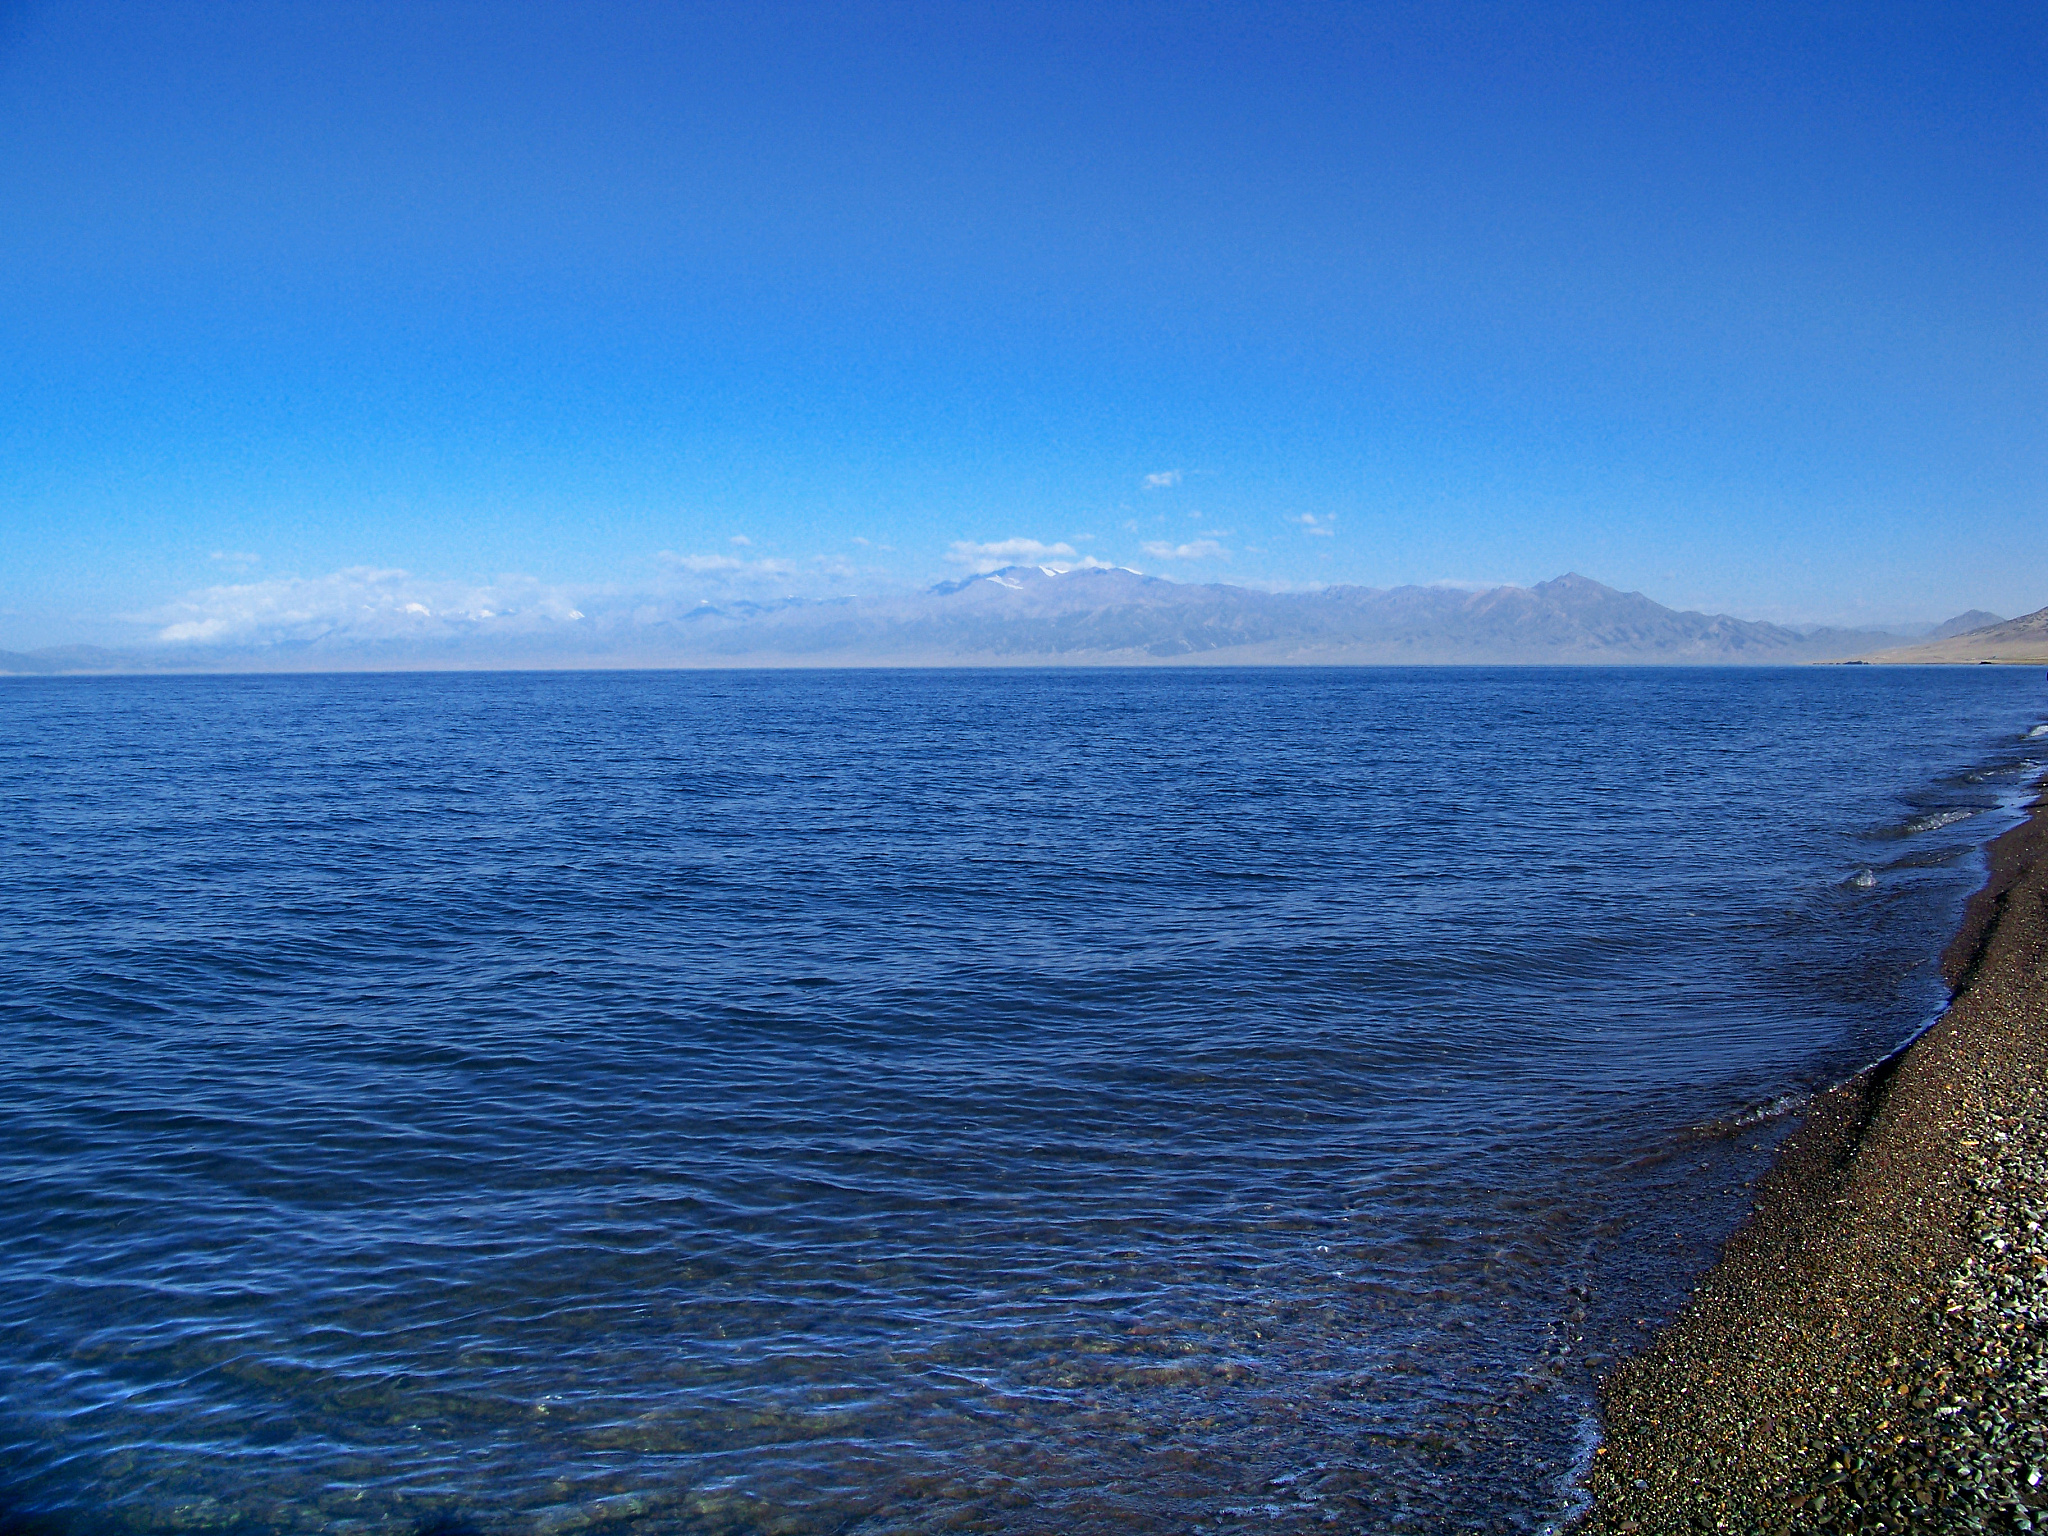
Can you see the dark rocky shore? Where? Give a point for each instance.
(1871, 1353)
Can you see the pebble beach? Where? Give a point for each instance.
(1871, 1352)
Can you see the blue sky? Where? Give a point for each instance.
(1739, 306)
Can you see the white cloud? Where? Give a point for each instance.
(1162, 480)
(374, 606)
(360, 603)
(741, 540)
(716, 565)
(1200, 549)
(1319, 526)
(983, 558)
(235, 557)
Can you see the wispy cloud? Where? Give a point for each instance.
(1160, 481)
(741, 540)
(378, 606)
(1200, 549)
(235, 558)
(722, 565)
(1319, 526)
(362, 603)
(994, 555)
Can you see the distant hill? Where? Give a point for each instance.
(2024, 639)
(68, 658)
(1030, 614)
(1963, 624)
(1040, 616)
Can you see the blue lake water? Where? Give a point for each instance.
(888, 1102)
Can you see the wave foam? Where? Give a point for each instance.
(1934, 821)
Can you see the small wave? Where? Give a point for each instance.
(1862, 880)
(1571, 1489)
(1989, 773)
(1783, 1104)
(1728, 1125)
(2037, 732)
(1934, 821)
(1940, 856)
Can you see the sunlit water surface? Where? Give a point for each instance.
(895, 1102)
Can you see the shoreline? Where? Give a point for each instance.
(1868, 1353)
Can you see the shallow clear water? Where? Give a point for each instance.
(875, 1102)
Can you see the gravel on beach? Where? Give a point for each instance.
(1871, 1353)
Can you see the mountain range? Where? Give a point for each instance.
(1034, 615)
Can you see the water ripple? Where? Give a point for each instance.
(879, 1103)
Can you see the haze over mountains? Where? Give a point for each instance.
(2024, 639)
(1035, 615)
(1963, 624)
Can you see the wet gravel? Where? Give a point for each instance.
(1958, 1440)
(1871, 1353)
